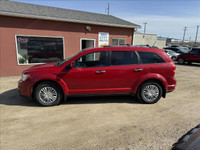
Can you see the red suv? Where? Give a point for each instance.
(148, 73)
(192, 56)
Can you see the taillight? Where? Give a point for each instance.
(173, 67)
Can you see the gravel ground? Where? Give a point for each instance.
(108, 123)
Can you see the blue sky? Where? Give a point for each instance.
(164, 17)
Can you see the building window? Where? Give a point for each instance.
(118, 41)
(32, 49)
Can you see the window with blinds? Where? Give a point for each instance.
(118, 41)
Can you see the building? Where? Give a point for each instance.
(34, 34)
(148, 39)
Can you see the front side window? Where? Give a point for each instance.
(32, 49)
(150, 58)
(96, 59)
(118, 41)
(123, 58)
(195, 51)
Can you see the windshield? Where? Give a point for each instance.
(60, 62)
(184, 49)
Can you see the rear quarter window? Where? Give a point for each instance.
(150, 58)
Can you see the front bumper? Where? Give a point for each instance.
(24, 87)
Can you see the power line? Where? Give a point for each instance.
(145, 27)
(184, 34)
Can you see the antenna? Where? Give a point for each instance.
(108, 9)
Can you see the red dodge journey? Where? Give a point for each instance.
(145, 72)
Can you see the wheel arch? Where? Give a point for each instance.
(151, 77)
(64, 89)
(157, 81)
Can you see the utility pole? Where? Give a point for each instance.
(196, 35)
(108, 9)
(145, 27)
(184, 34)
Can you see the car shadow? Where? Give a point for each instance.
(103, 99)
(12, 97)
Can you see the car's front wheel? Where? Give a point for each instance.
(48, 94)
(181, 60)
(150, 92)
(173, 58)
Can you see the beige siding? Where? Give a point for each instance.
(150, 39)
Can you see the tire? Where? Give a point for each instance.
(48, 94)
(150, 92)
(173, 58)
(189, 62)
(181, 60)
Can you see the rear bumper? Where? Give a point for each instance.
(171, 88)
(171, 84)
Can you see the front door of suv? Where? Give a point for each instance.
(89, 75)
(194, 55)
(123, 71)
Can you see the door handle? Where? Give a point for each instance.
(138, 69)
(100, 71)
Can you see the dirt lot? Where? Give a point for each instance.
(100, 122)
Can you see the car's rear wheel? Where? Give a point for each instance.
(150, 92)
(181, 60)
(48, 94)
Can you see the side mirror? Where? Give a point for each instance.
(72, 65)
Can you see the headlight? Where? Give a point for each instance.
(25, 76)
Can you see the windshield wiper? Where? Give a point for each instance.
(57, 63)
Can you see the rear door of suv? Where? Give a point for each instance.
(155, 64)
(123, 71)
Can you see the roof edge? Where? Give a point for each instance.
(63, 19)
(146, 34)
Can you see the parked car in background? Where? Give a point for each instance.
(45, 53)
(145, 72)
(192, 56)
(178, 49)
(189, 141)
(173, 55)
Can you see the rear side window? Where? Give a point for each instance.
(150, 58)
(123, 58)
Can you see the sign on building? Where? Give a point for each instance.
(103, 39)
